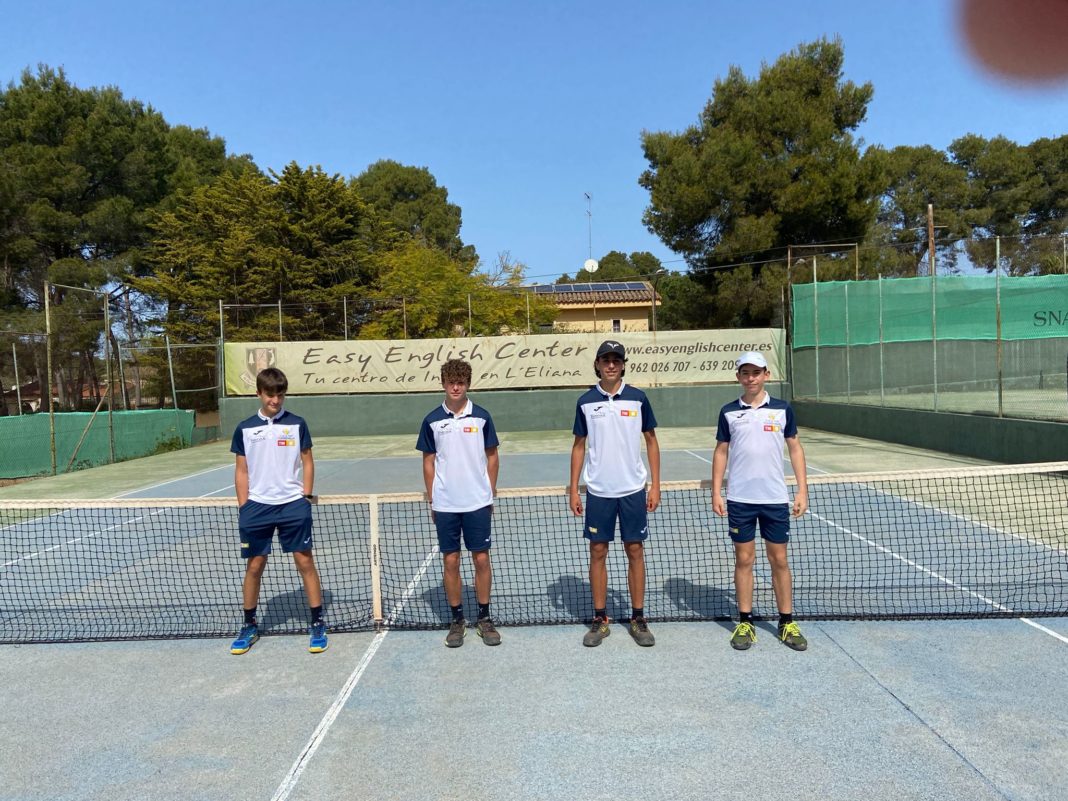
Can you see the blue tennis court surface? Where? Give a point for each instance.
(917, 710)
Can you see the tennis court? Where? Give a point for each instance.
(927, 709)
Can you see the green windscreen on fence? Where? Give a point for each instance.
(26, 450)
(902, 309)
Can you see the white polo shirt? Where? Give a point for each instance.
(613, 427)
(272, 448)
(459, 442)
(756, 435)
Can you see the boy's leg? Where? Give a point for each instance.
(313, 589)
(781, 580)
(483, 576)
(450, 575)
(599, 574)
(250, 587)
(636, 573)
(744, 556)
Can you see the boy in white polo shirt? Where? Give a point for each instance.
(460, 465)
(274, 476)
(611, 418)
(752, 430)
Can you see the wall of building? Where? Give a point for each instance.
(632, 318)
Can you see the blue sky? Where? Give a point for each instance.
(517, 108)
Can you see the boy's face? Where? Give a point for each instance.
(455, 390)
(752, 379)
(610, 367)
(270, 404)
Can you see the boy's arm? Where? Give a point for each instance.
(652, 448)
(241, 480)
(719, 469)
(493, 467)
(578, 453)
(307, 464)
(428, 475)
(797, 462)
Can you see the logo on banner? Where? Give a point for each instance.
(256, 359)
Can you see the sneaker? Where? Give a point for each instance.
(317, 637)
(639, 630)
(246, 638)
(598, 631)
(488, 632)
(791, 636)
(744, 636)
(457, 630)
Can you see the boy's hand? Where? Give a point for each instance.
(574, 503)
(800, 503)
(652, 500)
(719, 506)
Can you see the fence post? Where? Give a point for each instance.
(48, 369)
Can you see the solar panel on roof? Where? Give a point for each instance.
(563, 288)
(635, 285)
(545, 289)
(601, 287)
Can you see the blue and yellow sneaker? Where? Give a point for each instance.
(246, 638)
(317, 637)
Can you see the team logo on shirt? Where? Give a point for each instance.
(772, 427)
(470, 429)
(628, 413)
(287, 439)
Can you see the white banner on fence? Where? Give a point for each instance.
(514, 362)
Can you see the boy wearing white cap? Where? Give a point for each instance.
(752, 430)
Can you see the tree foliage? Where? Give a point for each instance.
(410, 198)
(617, 266)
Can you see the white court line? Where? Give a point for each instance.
(934, 574)
(291, 778)
(175, 480)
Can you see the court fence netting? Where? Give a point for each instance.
(949, 543)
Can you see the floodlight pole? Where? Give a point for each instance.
(656, 277)
(48, 369)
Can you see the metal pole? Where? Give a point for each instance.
(930, 240)
(48, 369)
(589, 218)
(345, 315)
(882, 375)
(18, 387)
(934, 341)
(222, 333)
(856, 262)
(122, 377)
(1064, 253)
(470, 325)
(849, 378)
(107, 372)
(528, 313)
(404, 312)
(279, 318)
(816, 322)
(997, 317)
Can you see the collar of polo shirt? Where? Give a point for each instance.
(619, 392)
(464, 412)
(269, 420)
(763, 401)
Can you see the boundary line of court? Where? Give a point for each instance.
(294, 774)
(934, 574)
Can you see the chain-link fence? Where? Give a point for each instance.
(975, 344)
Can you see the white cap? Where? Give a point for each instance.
(754, 358)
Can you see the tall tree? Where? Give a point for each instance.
(771, 162)
(80, 172)
(410, 198)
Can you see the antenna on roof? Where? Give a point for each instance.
(590, 265)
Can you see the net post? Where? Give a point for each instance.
(376, 563)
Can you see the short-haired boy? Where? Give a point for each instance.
(460, 466)
(611, 419)
(274, 478)
(751, 433)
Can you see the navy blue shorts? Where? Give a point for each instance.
(475, 527)
(774, 521)
(601, 514)
(257, 523)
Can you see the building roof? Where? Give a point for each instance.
(616, 292)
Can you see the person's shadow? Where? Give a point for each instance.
(701, 601)
(570, 595)
(288, 611)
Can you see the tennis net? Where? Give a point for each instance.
(972, 542)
